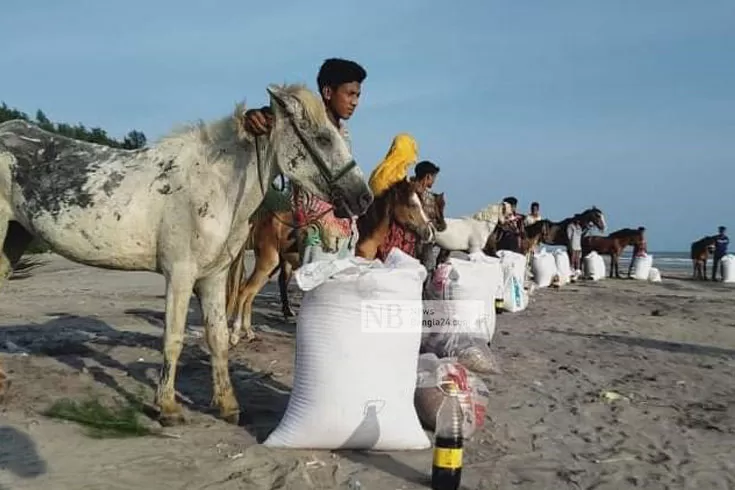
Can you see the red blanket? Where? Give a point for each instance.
(400, 238)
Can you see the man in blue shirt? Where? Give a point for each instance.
(721, 243)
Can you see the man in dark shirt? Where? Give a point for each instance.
(721, 243)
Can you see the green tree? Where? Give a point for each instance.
(133, 140)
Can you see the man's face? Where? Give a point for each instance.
(722, 231)
(534, 210)
(343, 100)
(428, 181)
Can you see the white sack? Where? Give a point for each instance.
(543, 267)
(594, 266)
(355, 375)
(642, 267)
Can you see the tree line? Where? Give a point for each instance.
(133, 140)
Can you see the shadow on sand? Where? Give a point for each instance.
(84, 343)
(676, 347)
(18, 455)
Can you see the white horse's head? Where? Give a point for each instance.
(311, 152)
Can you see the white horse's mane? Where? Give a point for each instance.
(492, 212)
(229, 131)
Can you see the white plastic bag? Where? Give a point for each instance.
(594, 266)
(563, 266)
(462, 311)
(728, 268)
(654, 275)
(514, 295)
(355, 374)
(642, 267)
(543, 267)
(474, 395)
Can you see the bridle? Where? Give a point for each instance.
(330, 177)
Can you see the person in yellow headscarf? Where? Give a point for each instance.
(402, 154)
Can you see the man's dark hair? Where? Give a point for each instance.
(336, 71)
(641, 229)
(534, 204)
(722, 229)
(425, 168)
(511, 200)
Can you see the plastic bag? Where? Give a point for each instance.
(462, 292)
(474, 395)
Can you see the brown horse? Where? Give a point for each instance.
(275, 239)
(613, 245)
(700, 253)
(592, 217)
(531, 237)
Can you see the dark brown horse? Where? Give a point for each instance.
(589, 218)
(700, 251)
(613, 245)
(274, 239)
(531, 237)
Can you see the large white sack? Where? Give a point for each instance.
(514, 296)
(654, 275)
(563, 266)
(642, 267)
(594, 266)
(355, 376)
(728, 268)
(543, 267)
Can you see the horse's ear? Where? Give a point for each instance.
(239, 116)
(282, 100)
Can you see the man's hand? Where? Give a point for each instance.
(259, 121)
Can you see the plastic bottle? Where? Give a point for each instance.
(446, 470)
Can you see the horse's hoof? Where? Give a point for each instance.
(172, 419)
(288, 312)
(234, 340)
(231, 417)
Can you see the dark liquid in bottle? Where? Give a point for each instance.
(446, 478)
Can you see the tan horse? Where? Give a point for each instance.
(275, 243)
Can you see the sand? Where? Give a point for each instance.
(667, 349)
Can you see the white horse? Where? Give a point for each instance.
(180, 208)
(469, 234)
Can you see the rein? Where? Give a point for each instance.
(261, 159)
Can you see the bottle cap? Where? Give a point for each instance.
(450, 387)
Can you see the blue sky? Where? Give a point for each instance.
(627, 105)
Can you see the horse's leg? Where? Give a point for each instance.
(210, 291)
(704, 270)
(179, 285)
(15, 241)
(265, 262)
(234, 279)
(283, 279)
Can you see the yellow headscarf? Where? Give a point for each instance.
(402, 154)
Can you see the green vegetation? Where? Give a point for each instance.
(102, 421)
(133, 140)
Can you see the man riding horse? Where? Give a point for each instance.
(510, 233)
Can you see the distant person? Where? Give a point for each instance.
(721, 243)
(574, 236)
(425, 174)
(534, 215)
(640, 249)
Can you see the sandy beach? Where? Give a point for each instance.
(665, 351)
